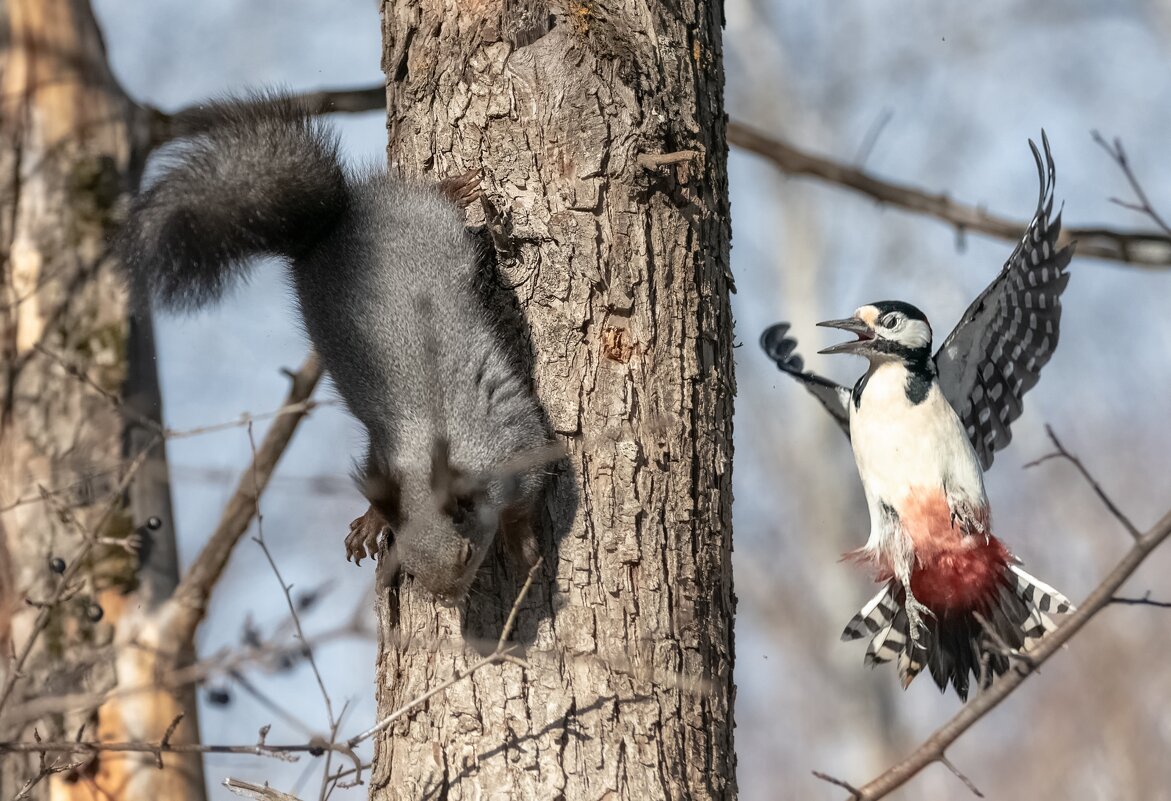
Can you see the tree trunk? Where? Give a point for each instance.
(600, 129)
(72, 142)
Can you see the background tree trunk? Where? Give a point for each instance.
(601, 132)
(72, 142)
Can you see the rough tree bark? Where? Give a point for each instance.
(70, 143)
(600, 129)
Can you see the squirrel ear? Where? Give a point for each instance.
(442, 474)
(455, 490)
(448, 481)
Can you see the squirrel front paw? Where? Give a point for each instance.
(362, 541)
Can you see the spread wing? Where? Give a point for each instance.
(996, 352)
(779, 347)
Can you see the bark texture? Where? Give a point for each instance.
(600, 130)
(70, 144)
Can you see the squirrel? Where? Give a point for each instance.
(385, 273)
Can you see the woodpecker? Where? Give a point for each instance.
(953, 597)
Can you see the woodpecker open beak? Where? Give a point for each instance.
(855, 326)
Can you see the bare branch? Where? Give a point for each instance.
(285, 753)
(947, 763)
(263, 793)
(652, 161)
(825, 777)
(77, 372)
(74, 566)
(300, 407)
(227, 662)
(1062, 453)
(327, 101)
(188, 604)
(1116, 152)
(44, 771)
(1150, 249)
(1146, 600)
(934, 747)
(285, 589)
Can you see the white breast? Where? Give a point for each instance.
(902, 447)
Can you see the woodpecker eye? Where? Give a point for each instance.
(889, 320)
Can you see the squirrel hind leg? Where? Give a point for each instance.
(517, 535)
(464, 189)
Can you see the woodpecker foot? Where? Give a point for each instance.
(915, 614)
(970, 520)
(365, 532)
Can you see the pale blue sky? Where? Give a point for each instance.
(965, 89)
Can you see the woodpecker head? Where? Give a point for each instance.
(887, 331)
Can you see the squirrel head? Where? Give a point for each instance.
(444, 520)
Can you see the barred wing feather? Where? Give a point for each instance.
(996, 352)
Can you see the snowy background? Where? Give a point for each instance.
(956, 91)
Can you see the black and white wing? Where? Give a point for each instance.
(995, 355)
(779, 347)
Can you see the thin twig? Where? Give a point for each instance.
(227, 662)
(284, 753)
(825, 777)
(188, 604)
(298, 408)
(652, 161)
(74, 566)
(497, 655)
(1146, 600)
(257, 791)
(82, 376)
(506, 632)
(329, 101)
(1151, 249)
(1063, 453)
(933, 748)
(285, 588)
(947, 763)
(1118, 154)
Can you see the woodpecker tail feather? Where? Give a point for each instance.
(955, 645)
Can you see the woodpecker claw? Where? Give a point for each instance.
(915, 614)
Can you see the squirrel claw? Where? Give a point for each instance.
(362, 541)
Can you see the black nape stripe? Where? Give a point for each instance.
(920, 373)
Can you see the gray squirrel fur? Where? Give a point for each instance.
(385, 275)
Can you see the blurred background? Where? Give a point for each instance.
(939, 96)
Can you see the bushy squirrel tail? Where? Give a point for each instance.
(249, 176)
